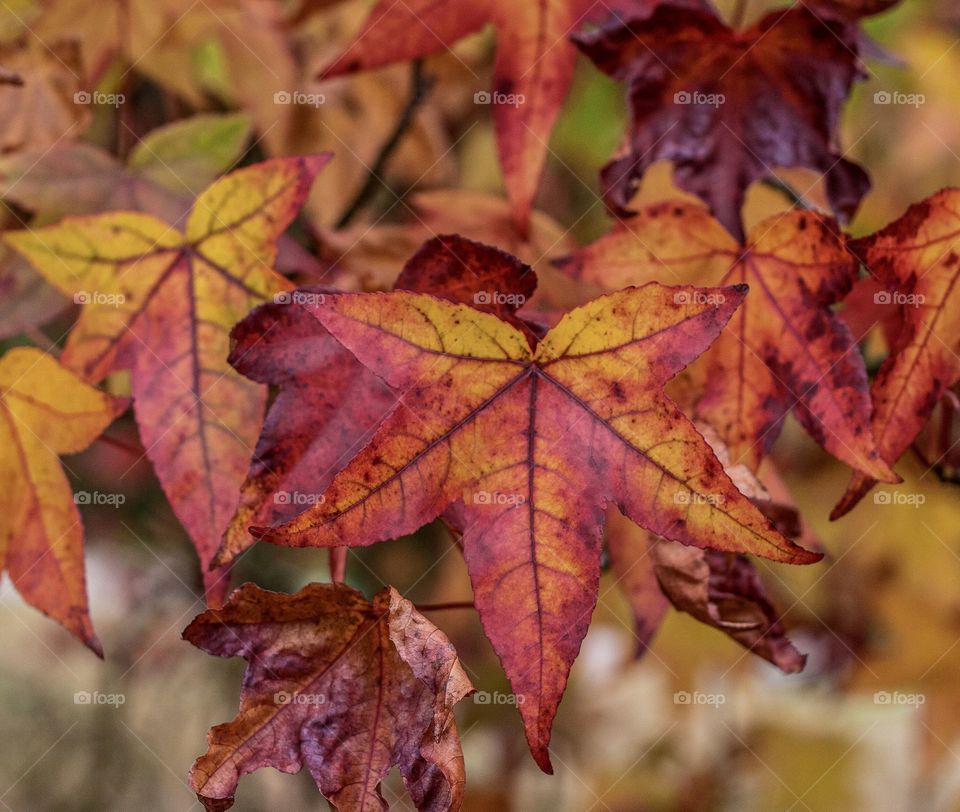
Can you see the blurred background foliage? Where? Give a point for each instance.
(880, 614)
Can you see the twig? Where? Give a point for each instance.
(419, 87)
(441, 607)
(121, 444)
(797, 199)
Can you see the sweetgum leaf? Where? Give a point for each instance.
(728, 107)
(535, 442)
(785, 349)
(916, 261)
(160, 303)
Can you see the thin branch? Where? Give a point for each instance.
(420, 85)
(797, 199)
(121, 444)
(442, 607)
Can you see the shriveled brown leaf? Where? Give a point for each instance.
(343, 686)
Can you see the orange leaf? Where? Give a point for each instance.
(784, 349)
(917, 263)
(326, 409)
(45, 410)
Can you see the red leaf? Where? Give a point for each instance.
(557, 432)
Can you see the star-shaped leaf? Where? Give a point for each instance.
(535, 442)
(784, 349)
(161, 303)
(329, 403)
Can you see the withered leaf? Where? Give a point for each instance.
(345, 687)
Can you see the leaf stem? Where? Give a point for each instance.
(338, 564)
(420, 85)
(736, 16)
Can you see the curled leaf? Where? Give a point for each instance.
(345, 687)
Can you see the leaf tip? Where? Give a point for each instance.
(93, 643)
